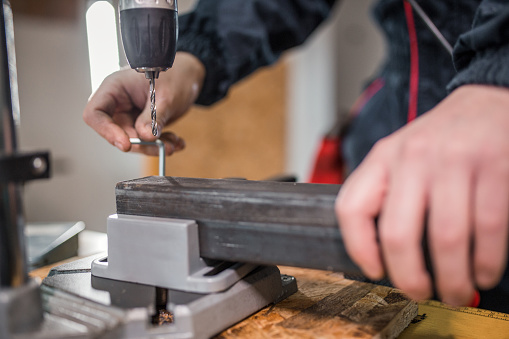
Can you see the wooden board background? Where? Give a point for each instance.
(241, 136)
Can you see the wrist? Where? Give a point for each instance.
(193, 69)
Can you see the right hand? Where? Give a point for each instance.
(447, 171)
(120, 108)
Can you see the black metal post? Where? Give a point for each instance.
(13, 271)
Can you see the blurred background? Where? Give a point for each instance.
(271, 123)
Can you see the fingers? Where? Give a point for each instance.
(450, 224)
(96, 116)
(119, 109)
(358, 204)
(176, 91)
(143, 124)
(452, 163)
(491, 224)
(110, 109)
(464, 210)
(401, 222)
(168, 109)
(177, 143)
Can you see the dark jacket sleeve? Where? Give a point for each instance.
(481, 55)
(235, 37)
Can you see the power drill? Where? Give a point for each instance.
(149, 30)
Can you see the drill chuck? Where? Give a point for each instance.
(149, 30)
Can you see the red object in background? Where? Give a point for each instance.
(328, 167)
(414, 63)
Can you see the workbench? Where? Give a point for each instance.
(434, 320)
(290, 225)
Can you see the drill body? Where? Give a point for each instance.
(149, 31)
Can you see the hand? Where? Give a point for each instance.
(120, 108)
(451, 165)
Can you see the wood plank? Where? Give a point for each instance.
(328, 306)
(250, 221)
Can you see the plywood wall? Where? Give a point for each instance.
(242, 136)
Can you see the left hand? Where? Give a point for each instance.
(450, 165)
(120, 108)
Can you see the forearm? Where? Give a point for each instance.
(233, 38)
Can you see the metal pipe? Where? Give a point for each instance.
(13, 269)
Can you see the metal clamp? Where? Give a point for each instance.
(162, 154)
(163, 252)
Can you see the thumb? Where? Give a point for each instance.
(144, 125)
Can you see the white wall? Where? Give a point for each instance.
(54, 85)
(326, 75)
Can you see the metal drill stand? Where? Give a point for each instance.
(20, 301)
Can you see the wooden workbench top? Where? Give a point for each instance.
(328, 306)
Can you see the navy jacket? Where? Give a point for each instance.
(233, 38)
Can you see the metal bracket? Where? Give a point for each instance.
(165, 253)
(24, 167)
(162, 154)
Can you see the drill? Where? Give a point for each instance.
(149, 30)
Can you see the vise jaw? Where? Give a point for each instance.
(163, 252)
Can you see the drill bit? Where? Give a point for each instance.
(152, 81)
